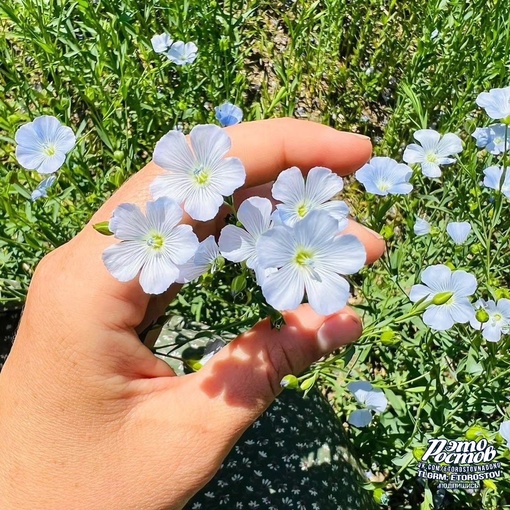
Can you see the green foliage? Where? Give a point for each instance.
(376, 67)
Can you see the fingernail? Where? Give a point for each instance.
(378, 236)
(361, 136)
(338, 330)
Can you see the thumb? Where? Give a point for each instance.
(242, 380)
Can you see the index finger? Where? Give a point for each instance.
(265, 148)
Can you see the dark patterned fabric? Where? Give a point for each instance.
(294, 456)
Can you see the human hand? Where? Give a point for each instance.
(90, 418)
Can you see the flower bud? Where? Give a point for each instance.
(118, 156)
(490, 485)
(389, 338)
(475, 433)
(482, 315)
(290, 382)
(381, 497)
(103, 228)
(502, 293)
(307, 383)
(418, 452)
(442, 298)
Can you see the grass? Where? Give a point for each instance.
(381, 68)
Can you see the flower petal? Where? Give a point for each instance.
(438, 317)
(173, 153)
(437, 278)
(414, 153)
(376, 400)
(428, 138)
(419, 292)
(128, 223)
(255, 215)
(360, 390)
(459, 231)
(210, 143)
(125, 259)
(157, 274)
(203, 203)
(449, 144)
(276, 247)
(163, 214)
(360, 418)
(284, 289)
(227, 176)
(236, 244)
(328, 294)
(463, 284)
(322, 185)
(345, 254)
(289, 187)
(462, 311)
(431, 170)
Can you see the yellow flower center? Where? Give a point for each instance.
(383, 186)
(202, 175)
(156, 241)
(302, 210)
(50, 149)
(431, 157)
(304, 257)
(497, 317)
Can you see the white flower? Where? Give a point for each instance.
(153, 243)
(197, 177)
(239, 244)
(498, 322)
(504, 430)
(421, 227)
(182, 54)
(433, 151)
(383, 176)
(309, 257)
(43, 187)
(161, 43)
(204, 260)
(42, 145)
(299, 197)
(373, 398)
(496, 103)
(458, 231)
(492, 138)
(492, 179)
(440, 281)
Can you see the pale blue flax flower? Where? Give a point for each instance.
(204, 260)
(153, 244)
(421, 227)
(43, 144)
(492, 179)
(458, 231)
(372, 398)
(383, 176)
(161, 43)
(450, 290)
(492, 138)
(309, 257)
(182, 54)
(43, 187)
(434, 150)
(239, 244)
(496, 103)
(228, 114)
(299, 197)
(198, 177)
(498, 319)
(504, 430)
